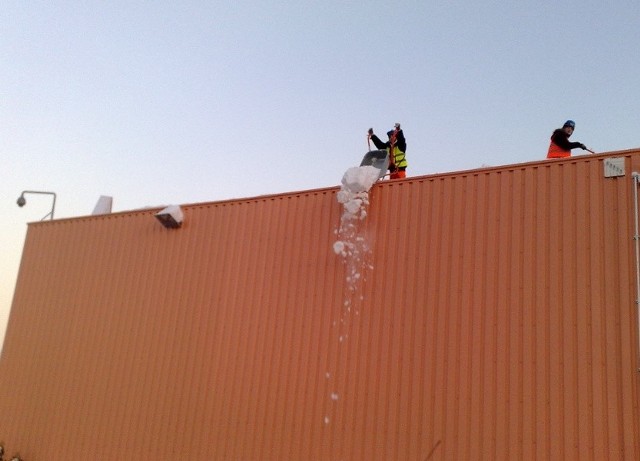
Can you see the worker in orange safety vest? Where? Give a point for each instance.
(560, 146)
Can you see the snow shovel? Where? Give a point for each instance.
(378, 159)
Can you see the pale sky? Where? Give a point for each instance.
(157, 103)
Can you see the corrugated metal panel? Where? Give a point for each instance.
(494, 319)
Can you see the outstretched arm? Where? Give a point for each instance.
(560, 139)
(400, 141)
(378, 143)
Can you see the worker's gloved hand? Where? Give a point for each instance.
(370, 132)
(583, 147)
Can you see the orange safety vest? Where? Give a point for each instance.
(556, 151)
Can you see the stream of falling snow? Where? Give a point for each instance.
(352, 246)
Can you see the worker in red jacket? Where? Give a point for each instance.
(560, 145)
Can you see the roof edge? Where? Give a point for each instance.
(322, 190)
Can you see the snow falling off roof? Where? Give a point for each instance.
(354, 197)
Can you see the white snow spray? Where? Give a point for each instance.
(352, 245)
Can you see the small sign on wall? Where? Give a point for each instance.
(613, 167)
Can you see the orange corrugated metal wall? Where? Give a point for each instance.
(495, 319)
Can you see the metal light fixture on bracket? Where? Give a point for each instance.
(23, 201)
(171, 217)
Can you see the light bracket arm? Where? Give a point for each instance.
(22, 201)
